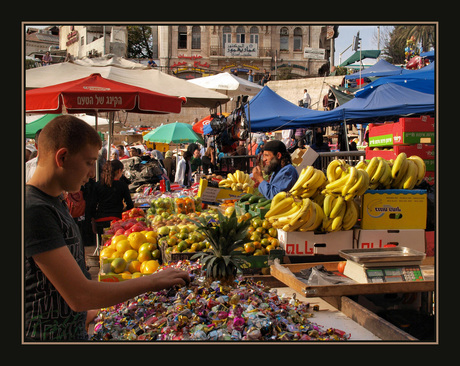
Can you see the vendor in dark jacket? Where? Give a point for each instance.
(277, 162)
(110, 196)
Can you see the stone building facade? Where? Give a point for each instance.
(191, 51)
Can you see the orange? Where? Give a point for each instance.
(257, 244)
(275, 242)
(136, 239)
(150, 266)
(123, 246)
(269, 248)
(117, 238)
(106, 252)
(249, 247)
(130, 255)
(151, 236)
(144, 256)
(134, 266)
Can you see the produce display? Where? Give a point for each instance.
(211, 310)
(238, 181)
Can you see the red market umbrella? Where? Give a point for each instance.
(198, 127)
(95, 93)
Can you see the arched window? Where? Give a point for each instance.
(298, 39)
(182, 37)
(226, 35)
(254, 35)
(284, 39)
(240, 34)
(196, 37)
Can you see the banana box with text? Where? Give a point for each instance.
(386, 209)
(311, 243)
(371, 239)
(212, 195)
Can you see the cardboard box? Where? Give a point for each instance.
(366, 239)
(212, 195)
(311, 243)
(425, 151)
(301, 158)
(394, 209)
(405, 131)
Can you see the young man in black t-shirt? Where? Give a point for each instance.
(58, 291)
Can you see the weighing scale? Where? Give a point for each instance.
(378, 265)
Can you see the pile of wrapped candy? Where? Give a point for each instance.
(211, 311)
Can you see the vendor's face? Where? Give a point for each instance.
(267, 157)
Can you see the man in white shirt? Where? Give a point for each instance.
(306, 99)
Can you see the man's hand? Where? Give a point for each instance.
(257, 174)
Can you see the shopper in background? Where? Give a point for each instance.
(110, 196)
(184, 170)
(169, 163)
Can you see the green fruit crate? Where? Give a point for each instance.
(259, 212)
(241, 208)
(254, 264)
(168, 257)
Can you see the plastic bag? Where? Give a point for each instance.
(319, 276)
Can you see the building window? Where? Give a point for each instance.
(298, 39)
(182, 37)
(240, 34)
(196, 37)
(226, 35)
(254, 35)
(284, 39)
(82, 41)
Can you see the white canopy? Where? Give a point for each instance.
(230, 84)
(150, 79)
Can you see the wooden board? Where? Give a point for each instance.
(353, 289)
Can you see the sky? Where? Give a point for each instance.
(345, 39)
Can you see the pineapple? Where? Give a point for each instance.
(220, 262)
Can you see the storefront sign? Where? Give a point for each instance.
(241, 49)
(72, 37)
(314, 53)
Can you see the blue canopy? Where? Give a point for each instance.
(388, 100)
(268, 111)
(381, 68)
(421, 80)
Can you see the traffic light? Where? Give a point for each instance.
(356, 42)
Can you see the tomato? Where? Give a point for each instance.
(341, 266)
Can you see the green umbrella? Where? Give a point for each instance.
(33, 127)
(173, 133)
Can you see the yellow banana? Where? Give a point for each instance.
(337, 221)
(352, 176)
(327, 204)
(289, 211)
(386, 176)
(233, 186)
(372, 166)
(304, 176)
(224, 182)
(421, 168)
(278, 197)
(316, 175)
(398, 164)
(365, 184)
(337, 183)
(231, 178)
(379, 171)
(301, 217)
(337, 205)
(361, 165)
(279, 207)
(330, 171)
(400, 174)
(351, 192)
(351, 216)
(411, 175)
(319, 182)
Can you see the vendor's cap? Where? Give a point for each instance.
(275, 146)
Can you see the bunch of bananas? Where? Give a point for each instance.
(402, 173)
(339, 214)
(309, 182)
(292, 214)
(238, 181)
(345, 181)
